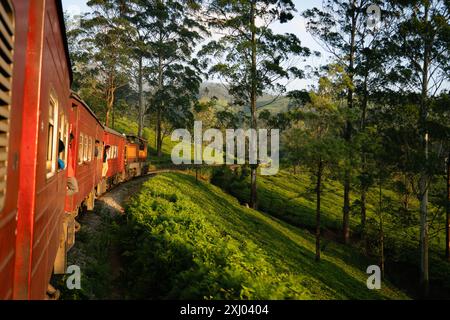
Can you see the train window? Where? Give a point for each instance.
(89, 149)
(6, 66)
(85, 148)
(97, 149)
(80, 149)
(66, 141)
(52, 136)
(63, 136)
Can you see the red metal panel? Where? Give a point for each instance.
(9, 211)
(41, 200)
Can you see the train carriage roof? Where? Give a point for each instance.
(75, 96)
(64, 37)
(109, 130)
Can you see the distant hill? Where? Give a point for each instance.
(208, 90)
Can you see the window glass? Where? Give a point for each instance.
(52, 137)
(80, 149)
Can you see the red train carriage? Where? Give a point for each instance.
(88, 135)
(136, 156)
(85, 165)
(114, 154)
(43, 55)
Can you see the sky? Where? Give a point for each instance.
(296, 26)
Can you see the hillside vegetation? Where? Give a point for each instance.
(187, 239)
(289, 197)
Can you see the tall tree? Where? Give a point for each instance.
(316, 136)
(135, 15)
(249, 56)
(173, 75)
(101, 53)
(421, 46)
(337, 27)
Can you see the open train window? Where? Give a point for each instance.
(6, 66)
(80, 149)
(63, 136)
(52, 136)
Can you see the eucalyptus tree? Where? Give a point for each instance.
(248, 56)
(341, 27)
(101, 54)
(421, 56)
(168, 32)
(316, 137)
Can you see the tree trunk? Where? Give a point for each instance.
(109, 105)
(364, 183)
(158, 133)
(381, 233)
(447, 229)
(406, 194)
(318, 194)
(159, 111)
(253, 96)
(141, 98)
(348, 129)
(424, 179)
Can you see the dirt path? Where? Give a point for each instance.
(95, 250)
(113, 204)
(117, 197)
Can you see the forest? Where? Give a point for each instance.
(364, 150)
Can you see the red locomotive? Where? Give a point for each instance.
(48, 138)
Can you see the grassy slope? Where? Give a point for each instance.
(340, 274)
(289, 198)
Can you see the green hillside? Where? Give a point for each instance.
(290, 197)
(182, 239)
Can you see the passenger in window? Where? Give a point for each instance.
(105, 160)
(72, 183)
(61, 148)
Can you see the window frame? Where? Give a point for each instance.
(85, 148)
(63, 135)
(80, 148)
(51, 163)
(89, 150)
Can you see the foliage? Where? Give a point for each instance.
(187, 239)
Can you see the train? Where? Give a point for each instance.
(56, 156)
